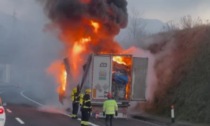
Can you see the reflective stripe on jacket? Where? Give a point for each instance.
(75, 97)
(81, 99)
(86, 103)
(110, 106)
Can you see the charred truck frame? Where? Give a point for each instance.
(122, 75)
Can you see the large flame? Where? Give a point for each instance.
(78, 46)
(77, 51)
(80, 43)
(58, 70)
(85, 27)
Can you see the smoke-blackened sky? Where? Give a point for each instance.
(110, 10)
(111, 13)
(164, 10)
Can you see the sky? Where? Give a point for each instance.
(27, 10)
(167, 10)
(164, 10)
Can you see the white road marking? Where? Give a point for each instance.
(92, 124)
(9, 111)
(22, 94)
(19, 120)
(31, 99)
(79, 119)
(147, 122)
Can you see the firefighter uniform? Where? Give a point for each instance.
(86, 108)
(75, 102)
(110, 109)
(81, 99)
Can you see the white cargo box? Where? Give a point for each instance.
(101, 72)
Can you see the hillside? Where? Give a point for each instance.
(182, 69)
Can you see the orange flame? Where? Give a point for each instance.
(78, 49)
(118, 59)
(81, 39)
(79, 46)
(63, 79)
(128, 90)
(95, 25)
(57, 69)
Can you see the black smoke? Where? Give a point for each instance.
(111, 13)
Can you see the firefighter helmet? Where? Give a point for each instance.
(88, 90)
(75, 90)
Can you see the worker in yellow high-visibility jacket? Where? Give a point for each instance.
(110, 108)
(75, 102)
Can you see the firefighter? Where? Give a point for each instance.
(75, 102)
(110, 108)
(86, 108)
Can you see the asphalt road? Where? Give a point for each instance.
(23, 111)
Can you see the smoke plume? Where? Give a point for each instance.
(73, 18)
(85, 27)
(110, 12)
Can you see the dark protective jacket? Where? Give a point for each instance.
(86, 103)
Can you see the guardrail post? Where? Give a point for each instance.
(172, 114)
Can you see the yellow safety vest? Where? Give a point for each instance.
(110, 106)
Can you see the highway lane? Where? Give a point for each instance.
(124, 122)
(24, 112)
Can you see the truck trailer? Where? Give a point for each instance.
(122, 75)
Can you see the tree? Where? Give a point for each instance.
(171, 26)
(187, 22)
(136, 26)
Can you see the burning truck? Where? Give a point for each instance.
(88, 27)
(123, 75)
